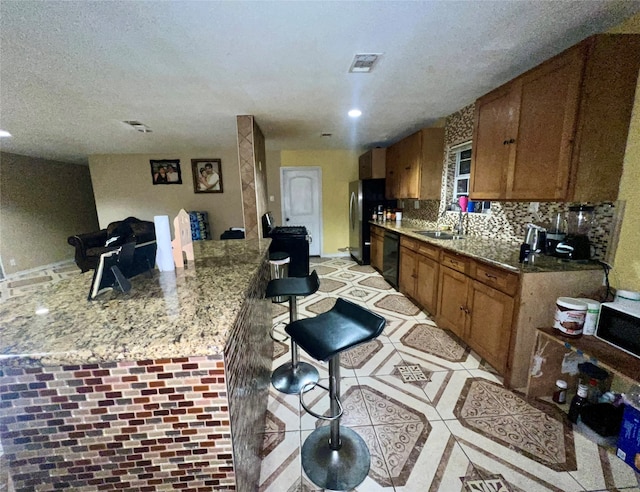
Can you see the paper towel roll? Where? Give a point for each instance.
(164, 253)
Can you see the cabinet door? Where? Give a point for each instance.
(432, 159)
(490, 324)
(426, 290)
(376, 248)
(494, 135)
(407, 276)
(392, 172)
(365, 165)
(452, 300)
(548, 101)
(410, 163)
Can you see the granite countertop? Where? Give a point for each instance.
(499, 253)
(188, 312)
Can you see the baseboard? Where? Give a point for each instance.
(336, 255)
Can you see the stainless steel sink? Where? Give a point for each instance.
(440, 235)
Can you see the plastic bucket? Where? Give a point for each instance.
(570, 316)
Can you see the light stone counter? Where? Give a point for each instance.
(500, 253)
(188, 312)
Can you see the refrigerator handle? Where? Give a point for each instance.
(351, 203)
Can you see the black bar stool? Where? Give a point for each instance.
(335, 457)
(293, 376)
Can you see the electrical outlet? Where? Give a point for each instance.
(416, 204)
(534, 206)
(12, 262)
(272, 198)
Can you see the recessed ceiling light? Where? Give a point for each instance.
(4, 133)
(355, 113)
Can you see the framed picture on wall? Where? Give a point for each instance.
(207, 175)
(166, 171)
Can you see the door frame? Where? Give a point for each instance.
(318, 178)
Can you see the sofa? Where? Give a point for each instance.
(91, 245)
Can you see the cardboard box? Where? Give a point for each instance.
(629, 438)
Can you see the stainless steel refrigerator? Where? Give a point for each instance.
(364, 198)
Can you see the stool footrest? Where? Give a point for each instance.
(273, 330)
(309, 387)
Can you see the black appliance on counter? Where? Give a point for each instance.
(364, 197)
(293, 240)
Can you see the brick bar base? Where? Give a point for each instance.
(168, 424)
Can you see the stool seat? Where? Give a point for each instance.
(279, 258)
(293, 286)
(342, 327)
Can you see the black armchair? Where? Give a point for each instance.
(91, 245)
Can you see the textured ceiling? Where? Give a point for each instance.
(71, 72)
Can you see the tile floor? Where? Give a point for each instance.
(435, 416)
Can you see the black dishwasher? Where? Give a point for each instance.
(391, 258)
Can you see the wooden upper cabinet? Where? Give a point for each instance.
(432, 162)
(414, 165)
(372, 164)
(392, 173)
(558, 132)
(493, 128)
(547, 98)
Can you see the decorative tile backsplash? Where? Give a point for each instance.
(507, 221)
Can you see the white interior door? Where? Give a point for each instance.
(300, 188)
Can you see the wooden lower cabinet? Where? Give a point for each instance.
(426, 292)
(452, 300)
(418, 277)
(489, 324)
(479, 314)
(377, 245)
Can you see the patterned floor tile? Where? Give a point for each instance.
(355, 410)
(397, 304)
(433, 340)
(281, 466)
(375, 282)
(373, 358)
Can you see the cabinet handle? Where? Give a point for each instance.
(490, 276)
(504, 142)
(511, 140)
(407, 168)
(453, 262)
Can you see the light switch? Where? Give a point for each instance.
(416, 204)
(272, 198)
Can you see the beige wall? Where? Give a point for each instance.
(626, 263)
(338, 168)
(42, 203)
(123, 187)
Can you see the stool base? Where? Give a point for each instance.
(288, 380)
(343, 469)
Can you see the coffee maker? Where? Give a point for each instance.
(576, 244)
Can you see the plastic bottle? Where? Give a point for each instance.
(578, 401)
(560, 394)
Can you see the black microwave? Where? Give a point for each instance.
(619, 325)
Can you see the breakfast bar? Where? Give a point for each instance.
(161, 388)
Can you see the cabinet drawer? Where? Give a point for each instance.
(407, 242)
(428, 250)
(497, 278)
(455, 262)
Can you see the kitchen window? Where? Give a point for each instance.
(461, 156)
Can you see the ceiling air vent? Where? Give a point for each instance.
(364, 62)
(141, 127)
